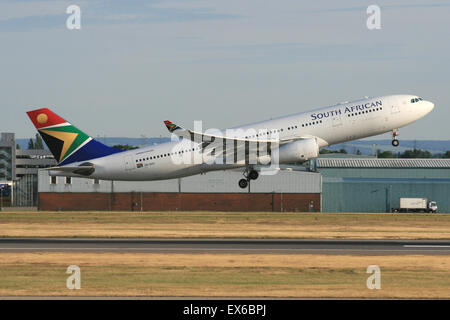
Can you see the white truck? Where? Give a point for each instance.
(417, 205)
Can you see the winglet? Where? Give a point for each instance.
(171, 126)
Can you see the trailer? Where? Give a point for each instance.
(416, 205)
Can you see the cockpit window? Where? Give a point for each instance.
(413, 100)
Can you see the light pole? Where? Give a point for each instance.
(1, 189)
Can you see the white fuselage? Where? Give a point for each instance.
(329, 125)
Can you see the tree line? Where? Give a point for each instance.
(413, 153)
(35, 143)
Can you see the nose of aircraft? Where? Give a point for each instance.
(429, 105)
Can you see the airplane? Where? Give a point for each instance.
(288, 139)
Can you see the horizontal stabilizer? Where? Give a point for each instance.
(84, 170)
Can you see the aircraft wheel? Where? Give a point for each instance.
(253, 175)
(243, 183)
(395, 143)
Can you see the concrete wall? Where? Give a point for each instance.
(7, 156)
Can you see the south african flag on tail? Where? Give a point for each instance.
(67, 143)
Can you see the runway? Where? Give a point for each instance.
(264, 246)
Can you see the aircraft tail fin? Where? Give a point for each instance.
(67, 143)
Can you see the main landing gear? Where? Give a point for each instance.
(249, 175)
(395, 142)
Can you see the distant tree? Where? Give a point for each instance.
(415, 153)
(18, 146)
(327, 151)
(446, 155)
(38, 144)
(30, 144)
(124, 147)
(358, 152)
(385, 154)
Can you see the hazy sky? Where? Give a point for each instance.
(134, 64)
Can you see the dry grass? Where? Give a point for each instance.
(224, 275)
(224, 225)
(229, 275)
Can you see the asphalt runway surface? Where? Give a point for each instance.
(262, 246)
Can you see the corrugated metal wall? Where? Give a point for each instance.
(419, 173)
(25, 192)
(212, 182)
(378, 189)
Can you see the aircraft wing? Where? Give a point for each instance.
(202, 137)
(234, 149)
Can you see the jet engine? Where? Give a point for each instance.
(296, 151)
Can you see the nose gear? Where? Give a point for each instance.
(395, 142)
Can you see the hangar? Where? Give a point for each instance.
(376, 185)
